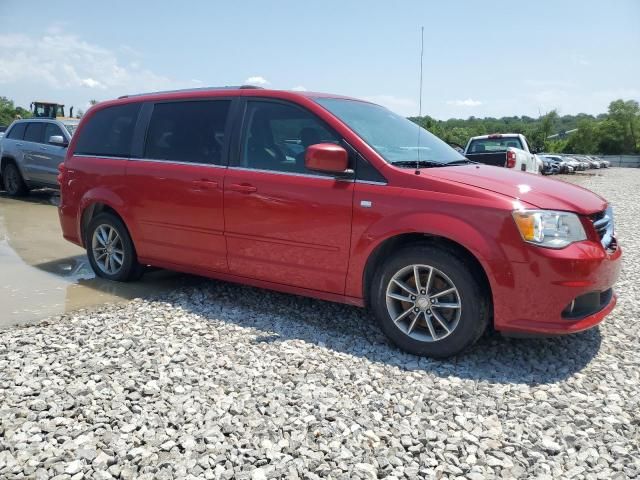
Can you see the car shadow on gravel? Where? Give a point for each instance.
(277, 317)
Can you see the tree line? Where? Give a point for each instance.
(10, 112)
(616, 132)
(613, 133)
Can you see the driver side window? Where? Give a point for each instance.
(277, 135)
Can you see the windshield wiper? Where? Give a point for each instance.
(463, 161)
(418, 163)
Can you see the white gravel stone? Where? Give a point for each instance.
(229, 382)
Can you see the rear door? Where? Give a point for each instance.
(175, 187)
(284, 223)
(46, 157)
(13, 142)
(31, 144)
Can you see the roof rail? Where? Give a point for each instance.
(199, 89)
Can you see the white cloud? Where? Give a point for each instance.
(299, 88)
(469, 102)
(256, 81)
(62, 65)
(91, 83)
(400, 105)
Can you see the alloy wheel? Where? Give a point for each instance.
(423, 303)
(107, 249)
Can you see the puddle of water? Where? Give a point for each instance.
(41, 274)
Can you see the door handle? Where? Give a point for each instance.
(242, 188)
(205, 184)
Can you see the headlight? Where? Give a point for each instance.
(548, 228)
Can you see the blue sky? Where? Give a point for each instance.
(490, 58)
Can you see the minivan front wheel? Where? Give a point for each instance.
(429, 302)
(110, 249)
(13, 182)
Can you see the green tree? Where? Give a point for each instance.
(547, 124)
(611, 137)
(627, 116)
(584, 140)
(9, 112)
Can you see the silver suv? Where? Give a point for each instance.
(31, 151)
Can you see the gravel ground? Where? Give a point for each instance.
(223, 381)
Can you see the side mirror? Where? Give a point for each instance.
(58, 140)
(326, 157)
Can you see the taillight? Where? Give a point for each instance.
(511, 159)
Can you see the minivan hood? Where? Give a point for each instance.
(536, 190)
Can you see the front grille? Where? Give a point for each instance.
(603, 223)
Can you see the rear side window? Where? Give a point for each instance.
(17, 132)
(109, 131)
(191, 131)
(34, 132)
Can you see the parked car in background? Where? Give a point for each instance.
(603, 163)
(3, 128)
(575, 163)
(590, 162)
(31, 151)
(510, 150)
(587, 161)
(563, 166)
(372, 211)
(549, 167)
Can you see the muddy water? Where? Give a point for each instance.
(41, 274)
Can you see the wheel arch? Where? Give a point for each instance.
(6, 159)
(394, 243)
(91, 211)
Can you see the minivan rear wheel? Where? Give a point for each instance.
(429, 302)
(110, 249)
(13, 182)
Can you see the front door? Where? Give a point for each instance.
(47, 156)
(31, 145)
(177, 186)
(284, 223)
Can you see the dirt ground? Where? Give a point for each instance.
(41, 274)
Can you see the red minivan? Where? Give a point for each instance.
(338, 199)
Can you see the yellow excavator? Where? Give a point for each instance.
(49, 110)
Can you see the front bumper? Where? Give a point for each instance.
(548, 287)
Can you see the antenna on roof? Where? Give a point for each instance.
(417, 172)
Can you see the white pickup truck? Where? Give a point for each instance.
(509, 150)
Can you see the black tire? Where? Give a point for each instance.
(129, 269)
(13, 182)
(473, 299)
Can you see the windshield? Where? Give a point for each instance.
(499, 144)
(394, 137)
